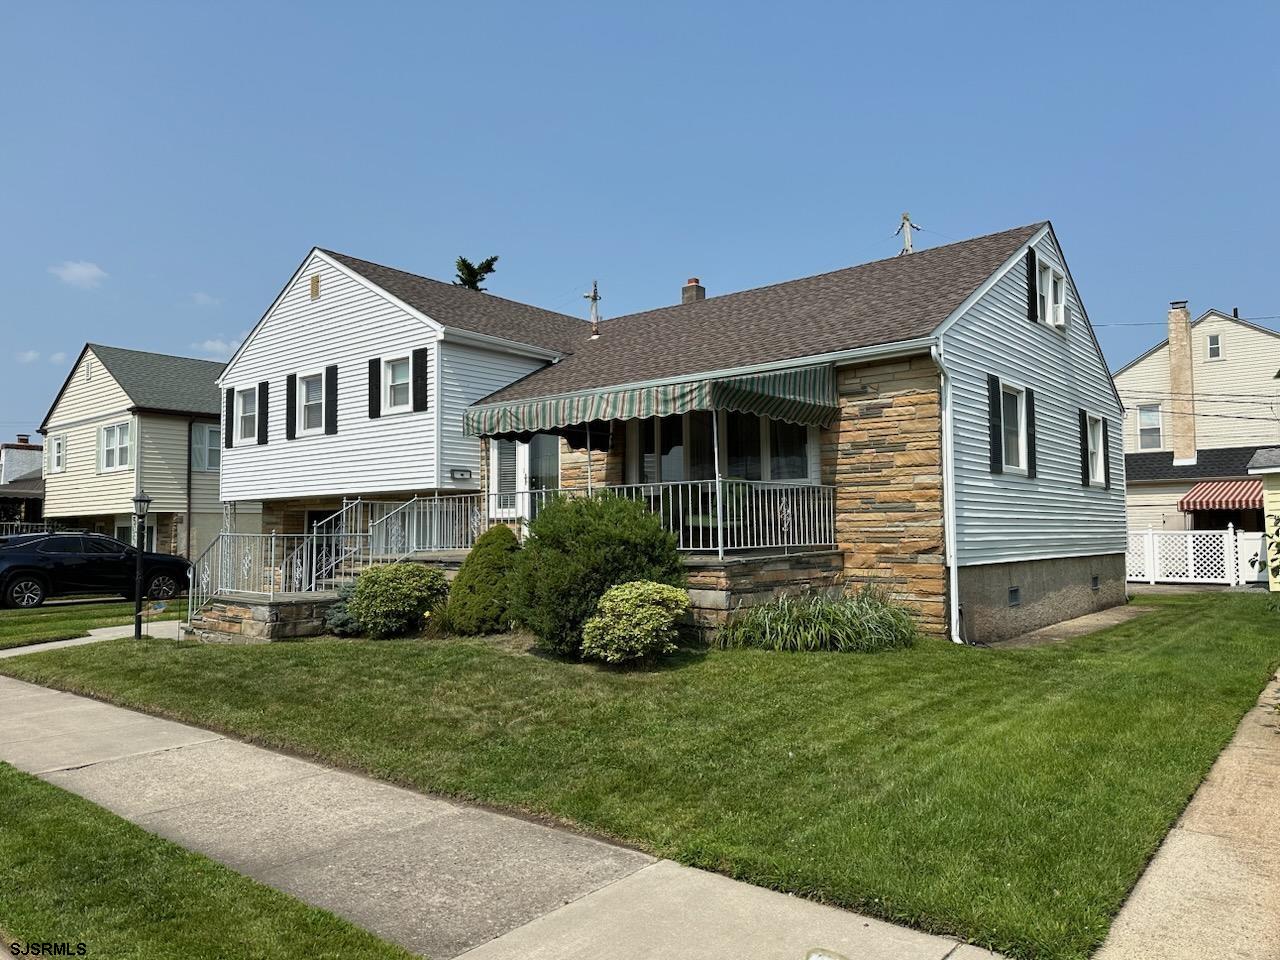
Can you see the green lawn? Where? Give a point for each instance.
(73, 873)
(1011, 797)
(64, 621)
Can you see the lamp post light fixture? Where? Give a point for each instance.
(141, 504)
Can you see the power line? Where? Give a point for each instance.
(1161, 323)
(1217, 416)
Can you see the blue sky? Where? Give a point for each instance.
(164, 167)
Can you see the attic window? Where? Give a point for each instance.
(315, 286)
(88, 368)
(1215, 346)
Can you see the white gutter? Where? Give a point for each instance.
(900, 348)
(949, 496)
(501, 344)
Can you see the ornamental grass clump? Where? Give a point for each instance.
(635, 621)
(862, 622)
(396, 599)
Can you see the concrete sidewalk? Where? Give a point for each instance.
(163, 629)
(1213, 888)
(440, 878)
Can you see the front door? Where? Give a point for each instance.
(521, 475)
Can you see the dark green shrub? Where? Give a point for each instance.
(576, 550)
(478, 596)
(634, 621)
(338, 619)
(865, 621)
(396, 599)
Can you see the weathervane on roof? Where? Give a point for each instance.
(905, 229)
(594, 297)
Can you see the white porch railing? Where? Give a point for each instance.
(11, 528)
(703, 516)
(1194, 556)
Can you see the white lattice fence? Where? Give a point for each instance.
(1188, 556)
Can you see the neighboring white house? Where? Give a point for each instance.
(1199, 405)
(353, 385)
(126, 421)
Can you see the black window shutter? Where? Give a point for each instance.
(375, 387)
(993, 425)
(1033, 292)
(229, 428)
(421, 377)
(1031, 433)
(291, 406)
(1106, 454)
(1084, 448)
(262, 412)
(331, 399)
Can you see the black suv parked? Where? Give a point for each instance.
(36, 566)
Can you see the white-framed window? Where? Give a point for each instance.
(397, 395)
(113, 442)
(247, 414)
(1013, 427)
(310, 403)
(206, 447)
(57, 454)
(1093, 436)
(1213, 346)
(1150, 432)
(1052, 289)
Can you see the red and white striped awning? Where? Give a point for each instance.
(1223, 495)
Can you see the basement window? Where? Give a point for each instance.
(1015, 596)
(1094, 583)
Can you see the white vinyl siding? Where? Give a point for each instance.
(347, 326)
(1009, 516)
(1237, 394)
(463, 375)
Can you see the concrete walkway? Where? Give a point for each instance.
(440, 878)
(1213, 889)
(164, 629)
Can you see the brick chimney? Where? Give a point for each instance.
(692, 290)
(24, 438)
(1182, 405)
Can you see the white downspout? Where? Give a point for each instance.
(949, 496)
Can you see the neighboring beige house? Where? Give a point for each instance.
(1266, 466)
(1198, 406)
(127, 421)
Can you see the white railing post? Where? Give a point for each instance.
(1231, 556)
(1150, 549)
(271, 569)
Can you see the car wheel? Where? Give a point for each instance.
(24, 592)
(162, 586)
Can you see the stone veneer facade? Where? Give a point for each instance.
(885, 459)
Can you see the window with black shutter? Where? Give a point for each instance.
(421, 378)
(331, 399)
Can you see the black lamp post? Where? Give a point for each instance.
(141, 504)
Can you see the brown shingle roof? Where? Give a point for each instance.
(454, 306)
(886, 301)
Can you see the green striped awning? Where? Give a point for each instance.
(802, 395)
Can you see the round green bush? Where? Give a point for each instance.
(634, 621)
(576, 550)
(478, 597)
(396, 599)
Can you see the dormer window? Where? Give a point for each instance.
(1052, 291)
(1214, 345)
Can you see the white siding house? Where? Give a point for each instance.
(353, 383)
